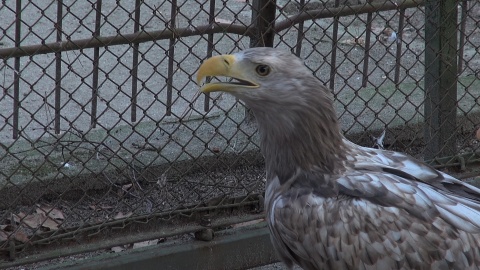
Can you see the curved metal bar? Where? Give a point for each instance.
(139, 37)
(345, 11)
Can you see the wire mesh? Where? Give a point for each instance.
(102, 126)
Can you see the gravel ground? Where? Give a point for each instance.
(37, 84)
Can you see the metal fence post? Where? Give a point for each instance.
(440, 77)
(263, 20)
(58, 68)
(16, 74)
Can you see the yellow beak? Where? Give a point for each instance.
(223, 65)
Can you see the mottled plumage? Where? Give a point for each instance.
(332, 204)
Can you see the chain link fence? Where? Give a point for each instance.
(105, 140)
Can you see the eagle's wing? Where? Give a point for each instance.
(392, 212)
(409, 168)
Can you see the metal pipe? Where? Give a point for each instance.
(366, 55)
(16, 74)
(144, 36)
(58, 67)
(171, 57)
(211, 19)
(134, 72)
(399, 40)
(96, 61)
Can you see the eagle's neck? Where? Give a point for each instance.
(306, 138)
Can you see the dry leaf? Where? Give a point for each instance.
(124, 189)
(100, 207)
(7, 228)
(16, 218)
(218, 20)
(32, 221)
(353, 41)
(50, 224)
(162, 181)
(392, 37)
(3, 236)
(20, 236)
(478, 134)
(118, 249)
(377, 29)
(127, 187)
(121, 215)
(35, 220)
(50, 211)
(387, 31)
(248, 223)
(389, 35)
(145, 243)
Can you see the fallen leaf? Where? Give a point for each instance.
(118, 249)
(32, 221)
(162, 181)
(50, 211)
(218, 20)
(36, 220)
(16, 218)
(377, 29)
(389, 35)
(145, 243)
(3, 236)
(127, 187)
(387, 31)
(21, 236)
(7, 228)
(353, 41)
(478, 134)
(100, 207)
(121, 215)
(50, 224)
(247, 223)
(392, 37)
(206, 234)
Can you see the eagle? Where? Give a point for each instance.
(332, 204)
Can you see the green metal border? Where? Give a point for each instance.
(235, 249)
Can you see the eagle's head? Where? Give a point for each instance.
(263, 77)
(296, 119)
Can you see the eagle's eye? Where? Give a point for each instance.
(263, 70)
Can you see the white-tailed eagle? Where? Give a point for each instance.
(332, 204)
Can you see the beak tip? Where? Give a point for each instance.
(199, 79)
